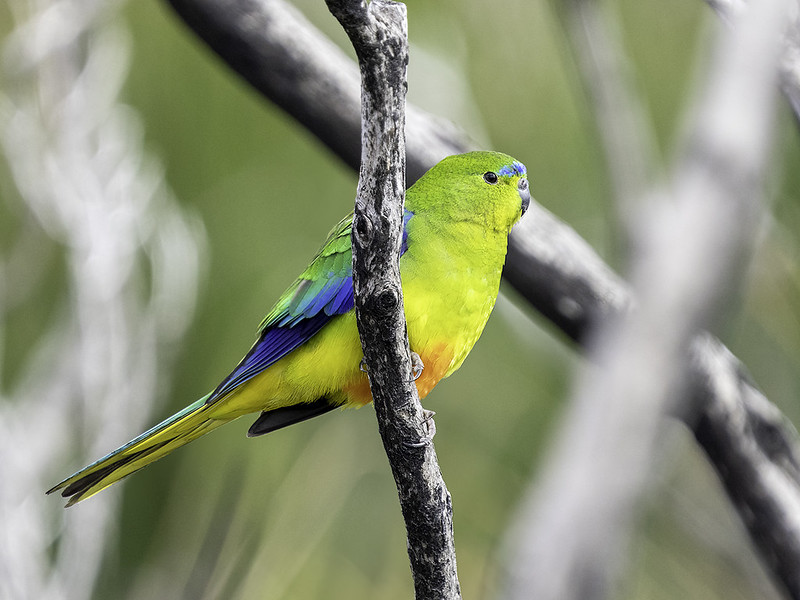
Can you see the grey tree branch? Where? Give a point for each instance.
(754, 450)
(750, 443)
(379, 35)
(548, 263)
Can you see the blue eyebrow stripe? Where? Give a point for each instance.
(515, 168)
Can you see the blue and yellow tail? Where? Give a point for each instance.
(179, 429)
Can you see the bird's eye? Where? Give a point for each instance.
(490, 177)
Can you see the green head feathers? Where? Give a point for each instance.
(489, 188)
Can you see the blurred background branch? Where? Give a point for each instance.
(688, 242)
(729, 10)
(102, 241)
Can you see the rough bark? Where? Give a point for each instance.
(378, 33)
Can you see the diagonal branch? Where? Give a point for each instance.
(688, 243)
(378, 33)
(751, 444)
(277, 51)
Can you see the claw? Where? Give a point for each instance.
(417, 366)
(430, 430)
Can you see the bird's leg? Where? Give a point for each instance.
(417, 365)
(428, 424)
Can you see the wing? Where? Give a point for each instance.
(323, 290)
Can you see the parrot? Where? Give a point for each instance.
(307, 357)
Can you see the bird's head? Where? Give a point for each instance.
(488, 188)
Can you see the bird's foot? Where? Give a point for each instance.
(429, 425)
(417, 366)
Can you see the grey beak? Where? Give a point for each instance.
(524, 193)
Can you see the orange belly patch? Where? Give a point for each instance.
(437, 361)
(358, 391)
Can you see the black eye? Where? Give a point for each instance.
(490, 177)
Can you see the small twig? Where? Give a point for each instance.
(378, 33)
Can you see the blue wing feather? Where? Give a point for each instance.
(323, 291)
(271, 346)
(343, 301)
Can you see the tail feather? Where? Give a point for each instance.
(179, 429)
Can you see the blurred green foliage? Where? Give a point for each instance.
(311, 511)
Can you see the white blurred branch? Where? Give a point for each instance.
(688, 246)
(131, 267)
